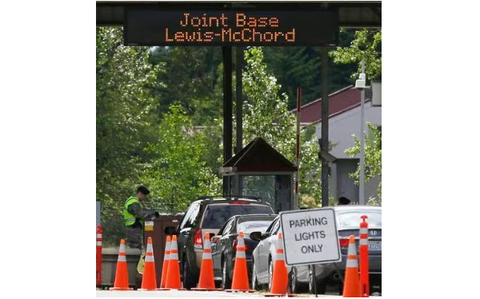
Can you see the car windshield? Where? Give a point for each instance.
(217, 214)
(252, 226)
(351, 218)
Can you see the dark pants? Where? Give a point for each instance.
(134, 237)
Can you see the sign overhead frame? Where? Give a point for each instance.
(230, 27)
(310, 236)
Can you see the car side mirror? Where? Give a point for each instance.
(256, 236)
(170, 230)
(265, 235)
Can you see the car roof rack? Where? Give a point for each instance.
(240, 197)
(231, 197)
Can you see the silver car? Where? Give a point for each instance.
(264, 257)
(348, 219)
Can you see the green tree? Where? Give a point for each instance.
(366, 45)
(124, 78)
(295, 67)
(373, 158)
(301, 67)
(191, 79)
(266, 115)
(177, 174)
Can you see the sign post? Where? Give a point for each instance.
(310, 236)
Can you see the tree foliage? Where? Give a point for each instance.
(266, 115)
(295, 67)
(302, 66)
(177, 173)
(366, 45)
(124, 105)
(373, 157)
(191, 78)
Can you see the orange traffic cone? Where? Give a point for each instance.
(121, 274)
(240, 274)
(166, 260)
(280, 275)
(364, 263)
(351, 286)
(173, 277)
(149, 279)
(206, 281)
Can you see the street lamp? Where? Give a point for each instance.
(361, 84)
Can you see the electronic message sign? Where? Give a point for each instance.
(222, 28)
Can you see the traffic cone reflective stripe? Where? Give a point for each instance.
(99, 235)
(240, 254)
(363, 236)
(280, 254)
(149, 258)
(149, 279)
(241, 244)
(364, 263)
(280, 275)
(206, 281)
(173, 277)
(351, 286)
(352, 261)
(166, 260)
(240, 274)
(207, 253)
(121, 274)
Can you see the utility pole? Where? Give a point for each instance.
(362, 85)
(324, 141)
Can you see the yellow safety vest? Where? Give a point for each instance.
(129, 219)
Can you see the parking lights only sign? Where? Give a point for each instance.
(310, 236)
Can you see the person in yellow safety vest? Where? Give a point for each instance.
(134, 215)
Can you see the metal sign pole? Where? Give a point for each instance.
(362, 143)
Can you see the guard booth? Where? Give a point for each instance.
(259, 170)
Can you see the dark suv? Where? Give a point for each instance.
(208, 214)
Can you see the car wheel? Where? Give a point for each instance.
(255, 285)
(295, 286)
(226, 282)
(270, 273)
(322, 287)
(188, 281)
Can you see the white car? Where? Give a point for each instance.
(264, 258)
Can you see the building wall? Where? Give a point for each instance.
(344, 125)
(341, 184)
(341, 129)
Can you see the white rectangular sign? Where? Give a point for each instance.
(310, 236)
